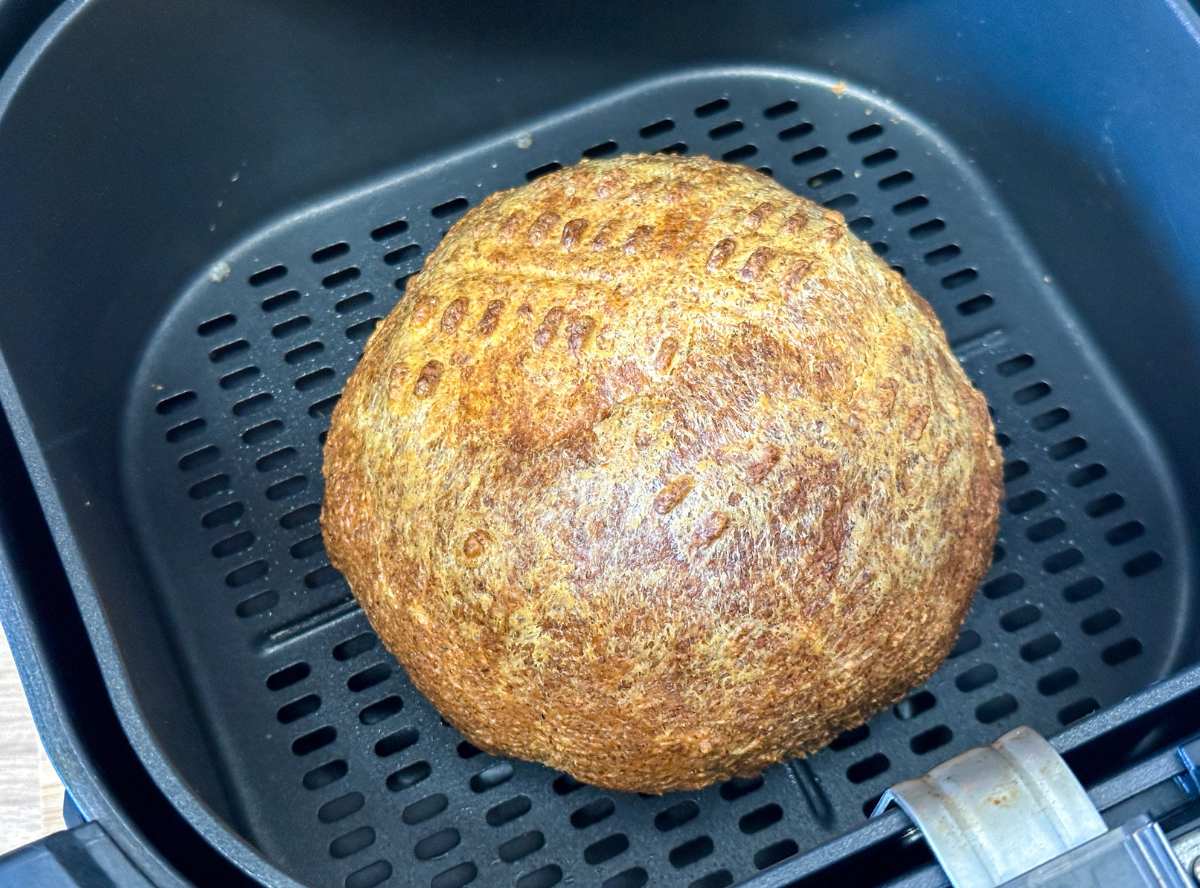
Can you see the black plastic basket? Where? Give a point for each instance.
(207, 210)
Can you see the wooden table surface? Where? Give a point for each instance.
(31, 795)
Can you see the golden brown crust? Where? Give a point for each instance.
(658, 475)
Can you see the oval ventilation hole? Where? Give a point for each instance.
(1086, 475)
(799, 131)
(538, 172)
(314, 379)
(288, 487)
(841, 202)
(820, 180)
(812, 154)
(1083, 589)
(1147, 562)
(657, 128)
(914, 704)
(239, 378)
(942, 254)
(246, 574)
(1026, 501)
(968, 640)
(726, 129)
(879, 158)
(1066, 449)
(564, 784)
(911, 205)
(441, 842)
(1124, 533)
(306, 744)
(341, 807)
(253, 404)
(927, 229)
(186, 430)
(229, 350)
(634, 877)
(543, 877)
(896, 180)
(773, 854)
(760, 818)
(1073, 712)
(232, 545)
(1031, 393)
(389, 229)
(304, 352)
(716, 879)
(592, 813)
(341, 276)
(352, 842)
(522, 846)
(690, 852)
(369, 677)
(298, 709)
(1101, 621)
(1123, 650)
(1016, 365)
(210, 487)
(1021, 618)
(307, 547)
(397, 741)
(333, 251)
(215, 325)
(324, 408)
(861, 225)
(998, 553)
(996, 708)
(280, 300)
(865, 134)
(425, 809)
(928, 741)
(676, 148)
(306, 514)
(288, 676)
(976, 677)
(850, 738)
(508, 810)
(354, 303)
(408, 776)
(456, 876)
(959, 278)
(323, 775)
(262, 432)
(1057, 681)
(869, 768)
(708, 109)
(1040, 648)
(266, 275)
(361, 330)
(258, 604)
(1003, 586)
(491, 777)
(381, 710)
(602, 150)
(1044, 530)
(199, 458)
(450, 208)
(1061, 561)
(783, 108)
(676, 816)
(739, 787)
(277, 459)
(291, 326)
(353, 647)
(737, 155)
(1104, 505)
(175, 403)
(402, 254)
(1050, 419)
(975, 305)
(370, 875)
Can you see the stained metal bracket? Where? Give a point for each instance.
(1013, 813)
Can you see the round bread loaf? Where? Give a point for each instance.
(658, 475)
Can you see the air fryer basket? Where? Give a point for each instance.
(184, 489)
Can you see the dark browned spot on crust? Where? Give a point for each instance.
(397, 380)
(795, 222)
(758, 215)
(720, 254)
(756, 264)
(794, 282)
(572, 232)
(428, 379)
(453, 314)
(887, 396)
(735, 499)
(476, 542)
(666, 354)
(917, 420)
(603, 236)
(672, 494)
(423, 309)
(548, 329)
(579, 331)
(762, 465)
(543, 227)
(525, 310)
(637, 239)
(490, 318)
(710, 529)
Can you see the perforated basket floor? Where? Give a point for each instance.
(343, 775)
